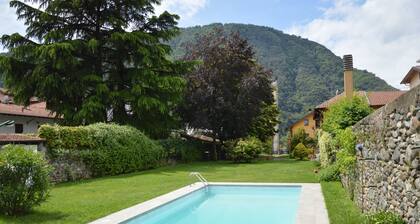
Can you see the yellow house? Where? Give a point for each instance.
(311, 122)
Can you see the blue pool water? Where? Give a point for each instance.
(228, 205)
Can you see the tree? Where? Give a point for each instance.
(226, 91)
(345, 113)
(95, 61)
(263, 126)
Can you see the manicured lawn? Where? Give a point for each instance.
(88, 200)
(340, 208)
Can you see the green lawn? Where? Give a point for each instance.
(88, 200)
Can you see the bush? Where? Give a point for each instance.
(300, 137)
(345, 113)
(346, 156)
(326, 148)
(301, 151)
(246, 150)
(383, 218)
(106, 149)
(24, 180)
(183, 150)
(330, 173)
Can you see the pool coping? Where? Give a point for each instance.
(311, 208)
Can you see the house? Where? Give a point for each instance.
(26, 119)
(412, 78)
(311, 122)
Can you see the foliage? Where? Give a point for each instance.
(183, 150)
(300, 137)
(326, 148)
(345, 113)
(330, 173)
(107, 149)
(246, 150)
(383, 217)
(97, 61)
(346, 156)
(228, 89)
(263, 126)
(307, 72)
(301, 151)
(24, 180)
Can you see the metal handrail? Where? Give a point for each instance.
(199, 177)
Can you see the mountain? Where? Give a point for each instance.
(307, 72)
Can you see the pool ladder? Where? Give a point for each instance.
(200, 177)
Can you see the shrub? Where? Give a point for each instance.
(346, 156)
(183, 150)
(383, 218)
(330, 173)
(300, 137)
(345, 113)
(326, 149)
(106, 149)
(301, 151)
(246, 150)
(24, 180)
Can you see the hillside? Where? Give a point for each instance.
(307, 72)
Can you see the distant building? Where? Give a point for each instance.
(312, 121)
(412, 78)
(26, 119)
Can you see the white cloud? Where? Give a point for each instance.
(382, 35)
(184, 8)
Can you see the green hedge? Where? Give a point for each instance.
(183, 150)
(106, 149)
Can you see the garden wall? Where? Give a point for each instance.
(387, 176)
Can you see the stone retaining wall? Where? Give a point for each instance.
(387, 171)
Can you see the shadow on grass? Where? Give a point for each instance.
(34, 217)
(207, 167)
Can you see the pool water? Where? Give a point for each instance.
(228, 205)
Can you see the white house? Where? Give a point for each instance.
(26, 119)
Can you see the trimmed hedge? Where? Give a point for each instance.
(106, 149)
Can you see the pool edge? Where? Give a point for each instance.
(311, 205)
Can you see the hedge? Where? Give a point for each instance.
(106, 149)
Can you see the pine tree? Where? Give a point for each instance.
(97, 60)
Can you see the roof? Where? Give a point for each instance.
(35, 109)
(410, 74)
(21, 138)
(375, 98)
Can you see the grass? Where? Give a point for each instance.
(84, 201)
(340, 208)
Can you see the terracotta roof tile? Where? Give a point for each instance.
(13, 138)
(35, 109)
(375, 98)
(383, 97)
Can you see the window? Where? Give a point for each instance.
(305, 122)
(18, 128)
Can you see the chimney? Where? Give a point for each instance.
(348, 75)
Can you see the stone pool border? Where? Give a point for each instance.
(311, 207)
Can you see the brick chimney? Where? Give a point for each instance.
(348, 75)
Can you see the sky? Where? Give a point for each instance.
(382, 35)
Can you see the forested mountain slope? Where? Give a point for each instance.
(307, 72)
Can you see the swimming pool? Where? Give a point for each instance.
(227, 205)
(228, 202)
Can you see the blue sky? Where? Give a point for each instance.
(279, 14)
(382, 35)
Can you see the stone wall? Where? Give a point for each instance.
(387, 170)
